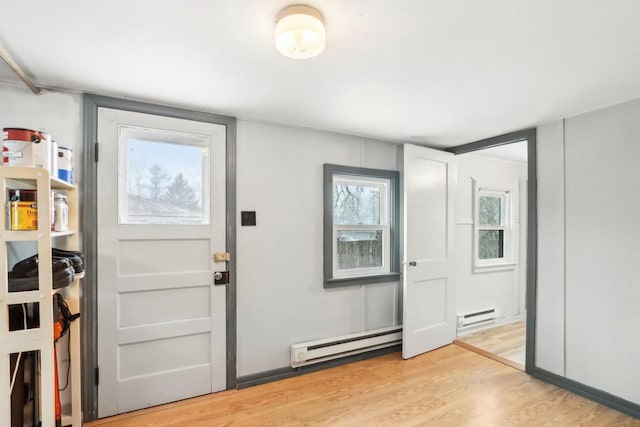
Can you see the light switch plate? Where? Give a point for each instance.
(248, 218)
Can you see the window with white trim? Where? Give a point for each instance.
(493, 228)
(360, 239)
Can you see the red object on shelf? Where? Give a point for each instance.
(57, 333)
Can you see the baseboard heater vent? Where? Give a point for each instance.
(333, 348)
(485, 315)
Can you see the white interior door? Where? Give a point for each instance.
(161, 215)
(428, 285)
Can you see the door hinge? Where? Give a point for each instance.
(97, 151)
(97, 376)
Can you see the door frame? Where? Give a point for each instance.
(89, 204)
(529, 135)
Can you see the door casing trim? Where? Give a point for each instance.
(88, 225)
(529, 135)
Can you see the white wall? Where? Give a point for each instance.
(504, 289)
(281, 299)
(550, 274)
(600, 236)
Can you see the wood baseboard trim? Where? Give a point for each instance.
(489, 355)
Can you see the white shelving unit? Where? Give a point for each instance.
(41, 338)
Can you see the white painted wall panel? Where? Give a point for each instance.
(281, 299)
(504, 289)
(602, 234)
(550, 290)
(381, 305)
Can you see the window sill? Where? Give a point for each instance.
(488, 268)
(360, 280)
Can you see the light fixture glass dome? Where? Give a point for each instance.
(300, 32)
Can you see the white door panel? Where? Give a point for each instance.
(144, 390)
(161, 215)
(159, 281)
(428, 283)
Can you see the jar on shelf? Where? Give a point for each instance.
(22, 210)
(61, 213)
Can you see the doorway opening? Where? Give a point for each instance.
(491, 232)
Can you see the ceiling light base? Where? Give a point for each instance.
(300, 32)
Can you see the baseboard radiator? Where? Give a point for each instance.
(478, 317)
(311, 352)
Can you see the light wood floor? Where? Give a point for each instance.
(508, 342)
(450, 386)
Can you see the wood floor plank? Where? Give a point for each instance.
(505, 343)
(450, 386)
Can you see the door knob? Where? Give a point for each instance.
(412, 263)
(221, 277)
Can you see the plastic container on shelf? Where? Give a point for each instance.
(65, 164)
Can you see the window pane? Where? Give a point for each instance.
(490, 210)
(359, 249)
(356, 204)
(490, 244)
(166, 179)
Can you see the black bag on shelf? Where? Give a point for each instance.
(24, 276)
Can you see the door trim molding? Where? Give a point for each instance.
(529, 135)
(88, 224)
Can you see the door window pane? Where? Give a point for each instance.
(359, 249)
(490, 210)
(356, 204)
(490, 244)
(164, 177)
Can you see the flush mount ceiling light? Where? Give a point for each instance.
(300, 32)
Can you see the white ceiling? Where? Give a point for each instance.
(516, 152)
(435, 72)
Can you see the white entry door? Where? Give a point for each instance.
(428, 285)
(161, 215)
